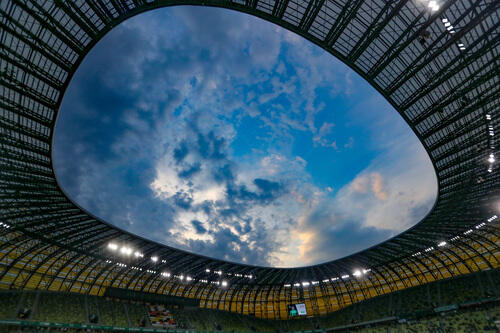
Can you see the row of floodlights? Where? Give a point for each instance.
(128, 251)
(451, 30)
(491, 132)
(248, 276)
(188, 278)
(434, 6)
(444, 243)
(449, 27)
(215, 272)
(168, 275)
(356, 273)
(4, 225)
(125, 250)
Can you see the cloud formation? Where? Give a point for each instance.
(219, 133)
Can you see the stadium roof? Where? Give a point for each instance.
(436, 62)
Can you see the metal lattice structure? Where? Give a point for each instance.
(437, 63)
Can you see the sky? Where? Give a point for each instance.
(219, 133)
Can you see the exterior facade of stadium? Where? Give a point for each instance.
(436, 62)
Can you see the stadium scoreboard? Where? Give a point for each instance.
(297, 310)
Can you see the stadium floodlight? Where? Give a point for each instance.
(113, 246)
(357, 273)
(126, 250)
(444, 20)
(433, 5)
(154, 259)
(443, 243)
(165, 274)
(346, 276)
(288, 285)
(224, 284)
(488, 117)
(219, 272)
(491, 159)
(296, 284)
(138, 254)
(367, 270)
(305, 284)
(188, 278)
(181, 277)
(207, 270)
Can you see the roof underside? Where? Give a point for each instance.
(444, 82)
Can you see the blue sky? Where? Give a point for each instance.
(219, 133)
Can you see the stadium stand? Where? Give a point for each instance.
(10, 302)
(441, 306)
(137, 314)
(160, 315)
(93, 309)
(477, 319)
(472, 320)
(61, 308)
(112, 313)
(183, 319)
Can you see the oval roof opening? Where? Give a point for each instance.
(219, 133)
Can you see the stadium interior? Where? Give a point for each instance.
(469, 303)
(63, 269)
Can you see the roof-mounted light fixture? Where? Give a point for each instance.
(433, 5)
